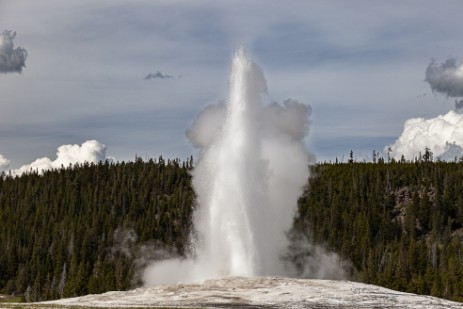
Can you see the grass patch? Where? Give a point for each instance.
(10, 299)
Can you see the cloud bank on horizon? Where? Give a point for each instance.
(11, 59)
(91, 151)
(442, 135)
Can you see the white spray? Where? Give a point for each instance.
(251, 171)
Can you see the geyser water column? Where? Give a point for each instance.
(250, 173)
(230, 180)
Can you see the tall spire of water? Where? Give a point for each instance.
(250, 173)
(235, 178)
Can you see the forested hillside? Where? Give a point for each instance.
(399, 224)
(82, 229)
(69, 231)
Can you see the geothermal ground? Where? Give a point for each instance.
(262, 292)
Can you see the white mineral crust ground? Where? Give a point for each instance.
(262, 292)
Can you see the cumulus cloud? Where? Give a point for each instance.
(452, 152)
(91, 151)
(11, 59)
(4, 163)
(446, 78)
(158, 75)
(459, 105)
(443, 135)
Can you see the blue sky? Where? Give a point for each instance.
(359, 64)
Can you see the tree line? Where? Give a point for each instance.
(81, 229)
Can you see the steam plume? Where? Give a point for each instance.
(443, 135)
(251, 171)
(91, 151)
(207, 125)
(11, 59)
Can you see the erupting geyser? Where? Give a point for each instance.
(251, 171)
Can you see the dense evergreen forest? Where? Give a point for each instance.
(400, 224)
(73, 231)
(83, 229)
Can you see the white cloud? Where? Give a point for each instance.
(446, 78)
(11, 59)
(443, 135)
(4, 163)
(158, 75)
(91, 151)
